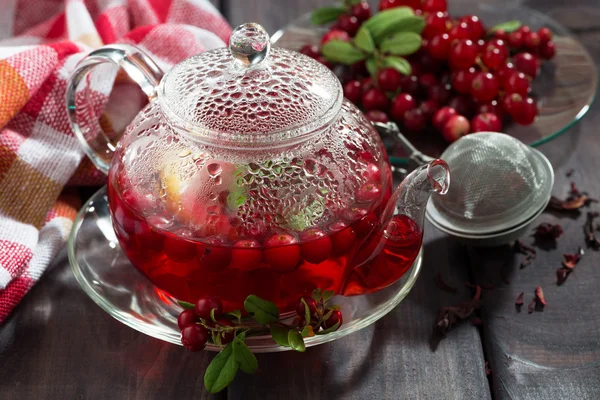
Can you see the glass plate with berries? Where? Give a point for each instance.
(442, 70)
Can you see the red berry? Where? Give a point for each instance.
(485, 87)
(492, 107)
(362, 11)
(503, 72)
(387, 4)
(459, 31)
(517, 82)
(547, 50)
(524, 112)
(524, 29)
(348, 23)
(545, 35)
(353, 91)
(334, 318)
(427, 63)
(526, 63)
(246, 254)
(463, 105)
(186, 318)
(359, 70)
(377, 116)
(428, 108)
(531, 41)
(335, 34)
(366, 83)
(463, 79)
(179, 249)
(426, 81)
(414, 120)
(434, 5)
(226, 337)
(282, 252)
(365, 225)
(375, 99)
(400, 105)
(463, 54)
(480, 44)
(442, 116)
(316, 246)
(493, 57)
(343, 238)
(301, 308)
(389, 79)
(215, 255)
(486, 123)
(436, 23)
(475, 26)
(410, 85)
(439, 47)
(510, 102)
(515, 39)
(205, 304)
(194, 337)
(500, 44)
(311, 50)
(439, 93)
(500, 34)
(456, 127)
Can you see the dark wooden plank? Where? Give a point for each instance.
(391, 359)
(552, 354)
(58, 344)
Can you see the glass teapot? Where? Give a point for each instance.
(248, 173)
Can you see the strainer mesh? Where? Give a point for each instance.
(495, 179)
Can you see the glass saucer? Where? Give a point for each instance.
(108, 278)
(564, 90)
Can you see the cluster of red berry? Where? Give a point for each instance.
(198, 326)
(464, 79)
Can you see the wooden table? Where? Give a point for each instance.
(59, 345)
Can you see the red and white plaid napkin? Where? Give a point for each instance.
(40, 43)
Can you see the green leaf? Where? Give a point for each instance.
(263, 311)
(307, 331)
(398, 63)
(342, 52)
(221, 370)
(371, 65)
(333, 307)
(317, 294)
(401, 44)
(508, 26)
(364, 41)
(296, 341)
(306, 311)
(386, 22)
(280, 335)
(326, 316)
(408, 24)
(212, 315)
(327, 295)
(237, 314)
(325, 15)
(352, 2)
(330, 329)
(185, 305)
(245, 358)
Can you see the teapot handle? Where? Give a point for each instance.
(83, 116)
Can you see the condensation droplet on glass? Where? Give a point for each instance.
(214, 169)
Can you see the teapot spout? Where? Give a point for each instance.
(411, 196)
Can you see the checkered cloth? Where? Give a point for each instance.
(40, 159)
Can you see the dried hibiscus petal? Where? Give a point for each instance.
(588, 228)
(546, 231)
(572, 259)
(442, 285)
(519, 301)
(531, 307)
(570, 172)
(539, 295)
(561, 275)
(529, 252)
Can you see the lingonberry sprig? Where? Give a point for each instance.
(205, 322)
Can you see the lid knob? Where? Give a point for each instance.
(249, 43)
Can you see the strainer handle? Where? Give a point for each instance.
(83, 102)
(392, 130)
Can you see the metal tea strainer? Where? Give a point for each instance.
(498, 184)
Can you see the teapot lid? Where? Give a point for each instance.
(250, 93)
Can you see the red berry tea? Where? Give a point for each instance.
(352, 256)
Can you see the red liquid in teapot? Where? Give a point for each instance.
(352, 257)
